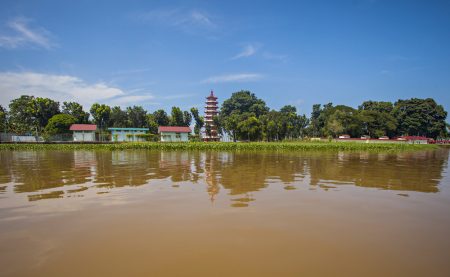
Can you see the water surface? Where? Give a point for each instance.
(156, 213)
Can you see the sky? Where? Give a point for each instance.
(160, 54)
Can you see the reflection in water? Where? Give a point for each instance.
(46, 172)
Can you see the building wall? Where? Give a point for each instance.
(83, 135)
(174, 137)
(122, 135)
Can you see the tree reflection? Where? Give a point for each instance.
(235, 173)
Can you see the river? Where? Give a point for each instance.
(156, 213)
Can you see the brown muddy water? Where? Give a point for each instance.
(152, 213)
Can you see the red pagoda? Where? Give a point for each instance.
(211, 110)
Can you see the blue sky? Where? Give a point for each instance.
(164, 53)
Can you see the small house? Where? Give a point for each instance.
(83, 132)
(128, 134)
(414, 139)
(174, 133)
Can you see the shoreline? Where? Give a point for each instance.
(224, 146)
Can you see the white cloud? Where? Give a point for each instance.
(249, 50)
(186, 20)
(270, 56)
(64, 88)
(243, 77)
(202, 19)
(24, 35)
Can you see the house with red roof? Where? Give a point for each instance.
(174, 133)
(83, 132)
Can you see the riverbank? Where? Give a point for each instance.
(227, 146)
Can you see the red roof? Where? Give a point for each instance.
(83, 127)
(412, 138)
(174, 129)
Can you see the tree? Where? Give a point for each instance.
(45, 108)
(377, 123)
(161, 118)
(59, 124)
(118, 117)
(250, 128)
(187, 118)
(315, 126)
(241, 106)
(423, 117)
(177, 118)
(199, 121)
(76, 110)
(244, 101)
(341, 119)
(3, 118)
(22, 113)
(152, 124)
(136, 117)
(101, 114)
(230, 124)
(378, 106)
(218, 124)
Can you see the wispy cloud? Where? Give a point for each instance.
(276, 57)
(186, 20)
(21, 34)
(65, 88)
(242, 77)
(247, 51)
(130, 100)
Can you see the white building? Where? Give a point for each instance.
(127, 134)
(83, 132)
(174, 133)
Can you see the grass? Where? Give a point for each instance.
(228, 146)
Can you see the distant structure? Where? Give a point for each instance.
(83, 132)
(211, 110)
(127, 134)
(174, 133)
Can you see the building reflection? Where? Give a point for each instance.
(61, 173)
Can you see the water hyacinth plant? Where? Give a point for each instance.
(226, 146)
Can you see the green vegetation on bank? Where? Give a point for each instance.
(229, 146)
(243, 117)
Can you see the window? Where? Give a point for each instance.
(178, 135)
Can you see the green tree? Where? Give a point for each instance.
(136, 117)
(377, 123)
(59, 124)
(22, 113)
(244, 102)
(3, 118)
(76, 110)
(378, 106)
(250, 128)
(423, 117)
(118, 118)
(161, 118)
(45, 108)
(187, 118)
(101, 114)
(177, 118)
(342, 119)
(199, 121)
(152, 125)
(241, 106)
(315, 126)
(230, 124)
